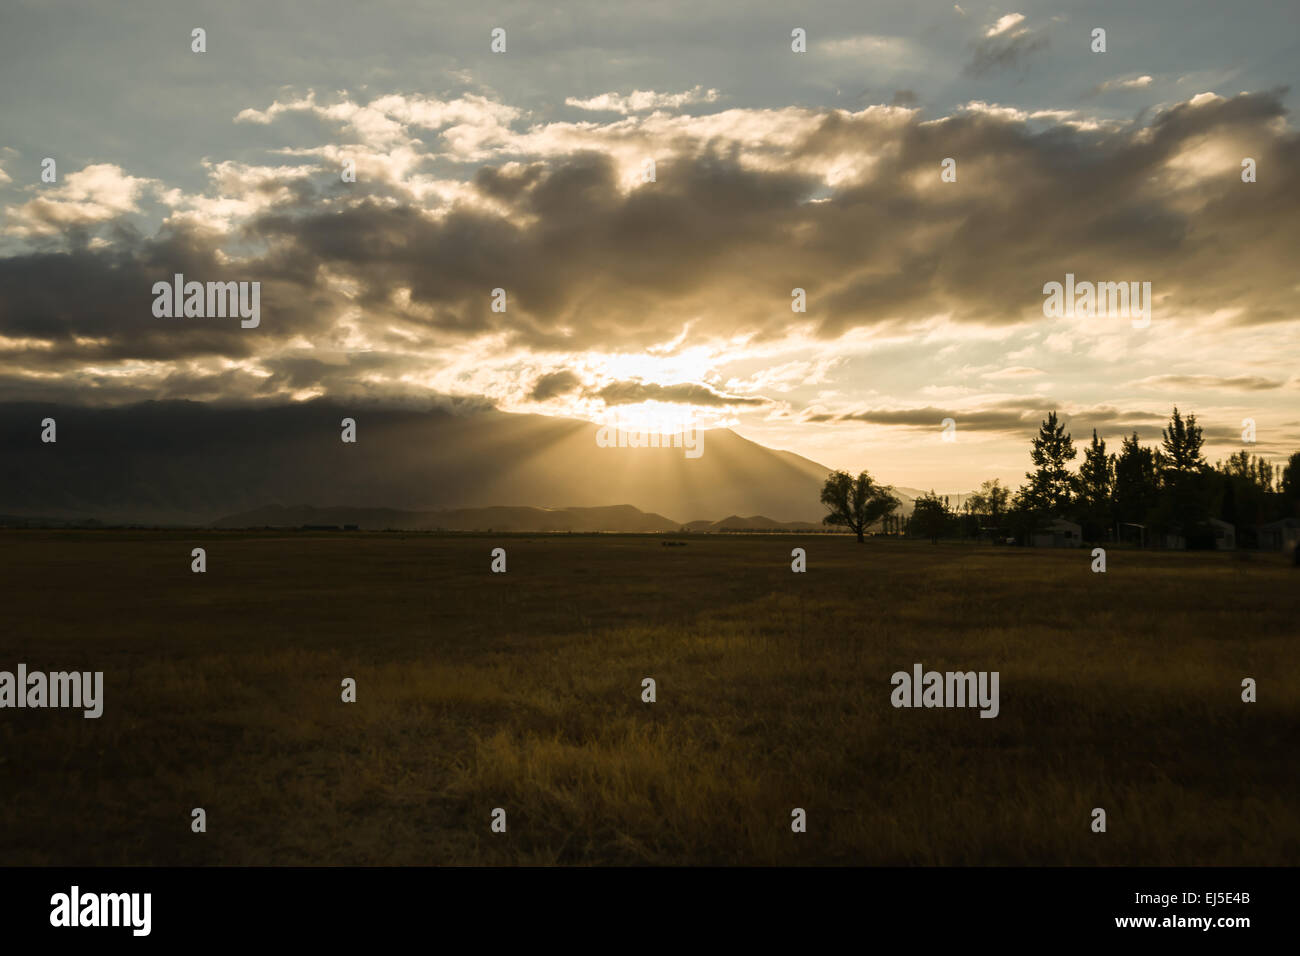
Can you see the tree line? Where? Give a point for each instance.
(1151, 490)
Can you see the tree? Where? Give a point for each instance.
(1182, 444)
(1185, 504)
(1137, 481)
(1050, 484)
(1291, 485)
(1095, 485)
(1252, 468)
(1246, 497)
(930, 517)
(990, 501)
(855, 503)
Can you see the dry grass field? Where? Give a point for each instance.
(523, 691)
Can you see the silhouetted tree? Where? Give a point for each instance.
(1291, 486)
(1137, 481)
(930, 517)
(1184, 503)
(1096, 484)
(1182, 443)
(990, 502)
(855, 503)
(1050, 483)
(1246, 493)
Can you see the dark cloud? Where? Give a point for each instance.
(553, 384)
(1020, 419)
(580, 260)
(1246, 383)
(630, 393)
(717, 241)
(94, 305)
(1015, 416)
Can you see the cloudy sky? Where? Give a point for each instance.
(657, 303)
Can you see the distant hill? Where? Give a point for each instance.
(45, 521)
(760, 523)
(190, 463)
(618, 518)
(909, 495)
(622, 518)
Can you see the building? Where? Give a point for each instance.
(1279, 535)
(1225, 535)
(1129, 532)
(1058, 533)
(1170, 540)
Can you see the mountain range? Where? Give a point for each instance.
(615, 518)
(191, 463)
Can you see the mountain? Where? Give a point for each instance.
(193, 463)
(909, 496)
(760, 523)
(907, 499)
(618, 518)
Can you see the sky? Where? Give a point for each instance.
(657, 301)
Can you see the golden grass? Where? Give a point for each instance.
(522, 691)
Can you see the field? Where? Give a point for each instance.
(523, 691)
